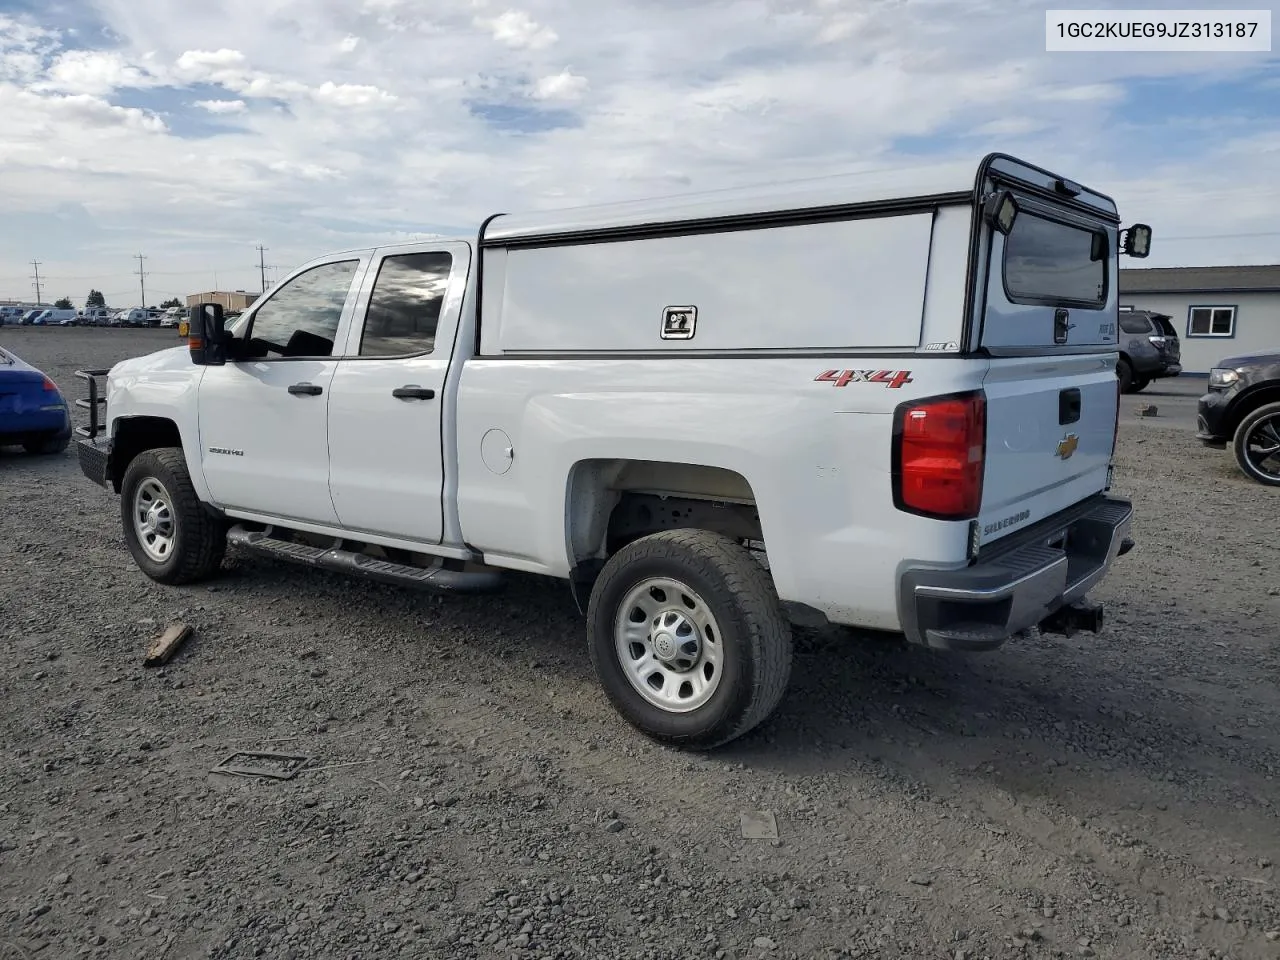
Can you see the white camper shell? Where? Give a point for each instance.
(889, 400)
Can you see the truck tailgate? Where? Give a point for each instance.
(1050, 433)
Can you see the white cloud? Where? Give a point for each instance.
(518, 30)
(222, 106)
(681, 96)
(95, 72)
(560, 86)
(350, 94)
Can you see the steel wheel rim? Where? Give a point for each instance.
(669, 645)
(153, 519)
(1262, 447)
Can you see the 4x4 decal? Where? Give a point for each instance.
(894, 379)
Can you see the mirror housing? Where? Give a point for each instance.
(207, 335)
(1136, 241)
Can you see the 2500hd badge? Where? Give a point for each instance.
(991, 528)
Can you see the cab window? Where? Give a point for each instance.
(404, 308)
(301, 317)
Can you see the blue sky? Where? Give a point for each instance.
(192, 133)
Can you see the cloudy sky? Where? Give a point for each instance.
(193, 132)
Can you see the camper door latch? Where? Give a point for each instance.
(1061, 325)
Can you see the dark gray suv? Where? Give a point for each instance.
(1149, 349)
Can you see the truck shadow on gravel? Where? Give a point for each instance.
(1037, 705)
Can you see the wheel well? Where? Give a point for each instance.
(610, 503)
(133, 436)
(1249, 402)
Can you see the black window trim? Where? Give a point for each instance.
(1029, 207)
(1235, 315)
(453, 266)
(302, 272)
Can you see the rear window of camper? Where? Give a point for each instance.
(1050, 262)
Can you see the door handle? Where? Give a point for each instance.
(306, 390)
(413, 393)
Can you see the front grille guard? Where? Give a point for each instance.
(92, 403)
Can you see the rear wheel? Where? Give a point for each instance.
(172, 539)
(1257, 445)
(688, 638)
(1140, 384)
(1124, 373)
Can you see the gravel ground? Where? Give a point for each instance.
(1108, 796)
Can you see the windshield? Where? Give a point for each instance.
(1046, 261)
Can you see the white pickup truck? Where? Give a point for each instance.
(889, 400)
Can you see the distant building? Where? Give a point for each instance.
(231, 300)
(1218, 311)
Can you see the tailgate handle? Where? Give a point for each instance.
(1068, 405)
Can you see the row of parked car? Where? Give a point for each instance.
(91, 317)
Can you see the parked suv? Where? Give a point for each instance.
(1149, 349)
(1242, 407)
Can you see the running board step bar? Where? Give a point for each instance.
(362, 565)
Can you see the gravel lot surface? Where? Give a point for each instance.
(1108, 796)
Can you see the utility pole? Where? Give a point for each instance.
(36, 266)
(262, 266)
(142, 278)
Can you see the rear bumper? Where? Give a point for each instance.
(1170, 370)
(1039, 578)
(95, 460)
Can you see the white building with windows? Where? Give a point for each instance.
(1217, 311)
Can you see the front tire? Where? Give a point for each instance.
(1257, 445)
(172, 539)
(688, 638)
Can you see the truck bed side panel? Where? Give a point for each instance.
(816, 455)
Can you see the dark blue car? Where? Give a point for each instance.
(33, 412)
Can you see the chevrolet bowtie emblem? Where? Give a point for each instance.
(1067, 446)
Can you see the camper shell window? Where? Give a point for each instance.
(1051, 262)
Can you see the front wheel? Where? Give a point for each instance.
(688, 638)
(172, 539)
(1257, 445)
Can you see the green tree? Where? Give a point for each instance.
(171, 302)
(63, 303)
(95, 299)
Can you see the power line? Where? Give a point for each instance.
(142, 278)
(35, 264)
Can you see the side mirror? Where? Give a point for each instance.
(1136, 241)
(207, 335)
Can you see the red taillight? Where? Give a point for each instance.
(49, 386)
(939, 448)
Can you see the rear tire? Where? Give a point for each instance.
(688, 638)
(1258, 432)
(172, 539)
(1139, 385)
(48, 446)
(1124, 373)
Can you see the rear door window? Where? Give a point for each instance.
(1047, 261)
(1134, 324)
